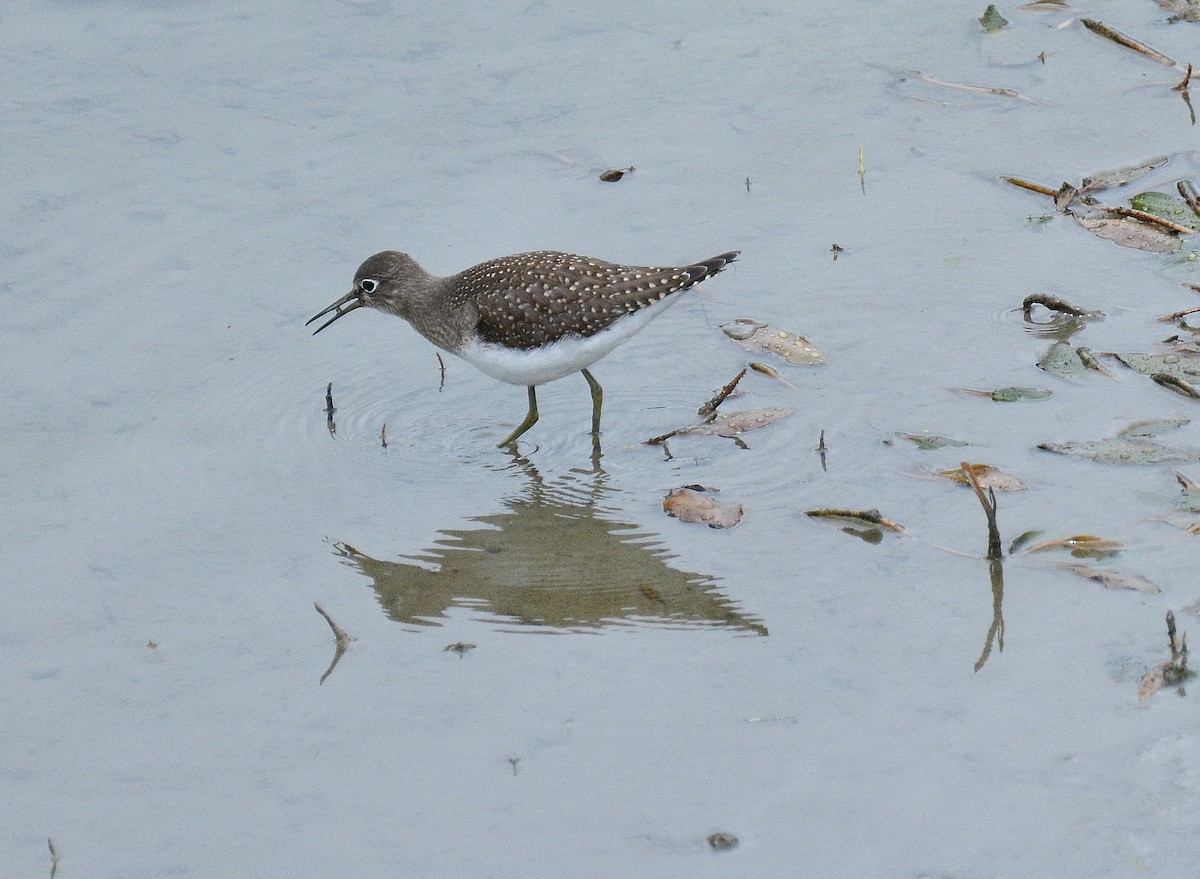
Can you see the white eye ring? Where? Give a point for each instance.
(368, 285)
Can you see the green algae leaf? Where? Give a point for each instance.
(1012, 395)
(1169, 207)
(1124, 450)
(992, 20)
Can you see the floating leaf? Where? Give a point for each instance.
(1011, 395)
(756, 336)
(1113, 580)
(1169, 207)
(1128, 232)
(1152, 426)
(1022, 539)
(992, 20)
(1081, 546)
(1124, 450)
(1181, 364)
(986, 475)
(1063, 360)
(695, 503)
(741, 422)
(612, 175)
(927, 442)
(1152, 681)
(1122, 176)
(872, 517)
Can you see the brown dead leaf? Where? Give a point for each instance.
(740, 422)
(1128, 232)
(1114, 580)
(1080, 546)
(986, 475)
(756, 336)
(1152, 681)
(695, 503)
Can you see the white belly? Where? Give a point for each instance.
(536, 366)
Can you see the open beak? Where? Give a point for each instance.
(345, 305)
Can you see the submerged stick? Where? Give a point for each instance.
(1176, 315)
(1182, 85)
(1188, 190)
(1030, 185)
(1147, 217)
(343, 641)
(329, 409)
(1104, 30)
(711, 406)
(1054, 304)
(338, 632)
(995, 551)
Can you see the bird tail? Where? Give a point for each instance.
(709, 267)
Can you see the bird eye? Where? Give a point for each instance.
(368, 285)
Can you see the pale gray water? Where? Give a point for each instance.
(185, 185)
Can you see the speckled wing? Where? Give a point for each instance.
(531, 299)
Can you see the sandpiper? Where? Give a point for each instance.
(525, 319)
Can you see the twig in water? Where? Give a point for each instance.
(330, 424)
(1054, 304)
(1147, 217)
(1030, 185)
(1104, 30)
(1176, 315)
(442, 366)
(54, 859)
(711, 406)
(995, 551)
(1188, 190)
(821, 448)
(1183, 83)
(339, 634)
(862, 171)
(383, 435)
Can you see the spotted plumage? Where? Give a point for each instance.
(525, 319)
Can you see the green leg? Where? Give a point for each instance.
(530, 420)
(597, 401)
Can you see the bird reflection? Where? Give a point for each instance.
(552, 559)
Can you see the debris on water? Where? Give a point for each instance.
(612, 175)
(756, 336)
(695, 503)
(1114, 580)
(928, 442)
(1124, 450)
(1009, 395)
(722, 841)
(872, 517)
(986, 475)
(992, 20)
(1082, 546)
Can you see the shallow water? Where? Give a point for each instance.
(186, 186)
